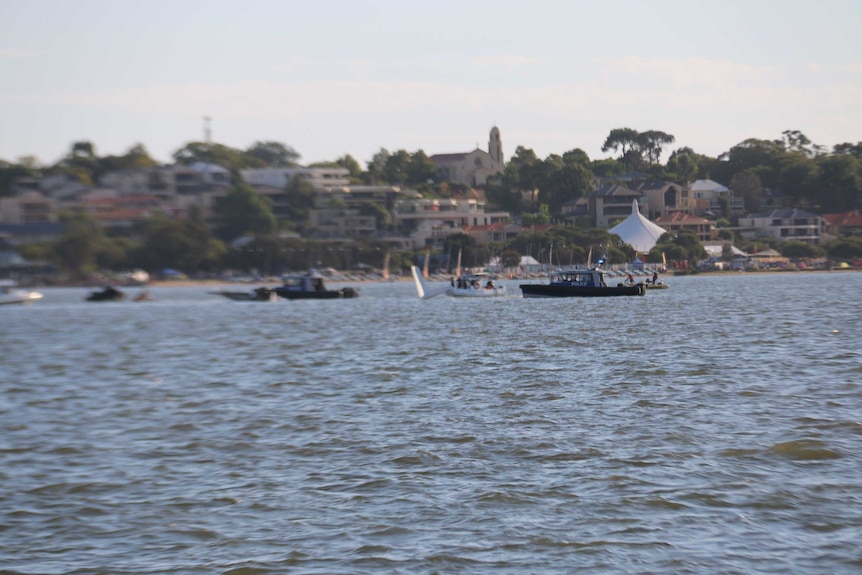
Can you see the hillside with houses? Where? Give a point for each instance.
(217, 208)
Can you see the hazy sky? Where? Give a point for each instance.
(335, 77)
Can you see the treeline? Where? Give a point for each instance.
(533, 189)
(189, 245)
(803, 173)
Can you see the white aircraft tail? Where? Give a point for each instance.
(421, 289)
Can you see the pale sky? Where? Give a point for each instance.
(335, 77)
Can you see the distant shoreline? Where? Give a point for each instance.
(241, 285)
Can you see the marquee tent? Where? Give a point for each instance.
(637, 231)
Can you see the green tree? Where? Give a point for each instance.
(510, 258)
(576, 157)
(796, 249)
(183, 244)
(837, 184)
(563, 182)
(349, 163)
(379, 212)
(244, 211)
(420, 168)
(652, 142)
(397, 168)
(747, 184)
(796, 141)
(844, 248)
(622, 140)
(271, 154)
(376, 172)
(218, 154)
(607, 168)
(682, 166)
(79, 244)
(300, 200)
(797, 177)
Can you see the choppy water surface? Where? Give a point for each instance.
(711, 428)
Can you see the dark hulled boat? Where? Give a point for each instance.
(310, 286)
(581, 283)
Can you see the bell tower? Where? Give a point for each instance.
(495, 145)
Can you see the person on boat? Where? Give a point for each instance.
(489, 285)
(654, 278)
(631, 279)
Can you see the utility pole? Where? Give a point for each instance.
(207, 130)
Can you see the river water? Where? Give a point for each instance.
(714, 427)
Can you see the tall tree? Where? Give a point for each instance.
(420, 168)
(838, 184)
(183, 244)
(80, 243)
(652, 142)
(377, 166)
(682, 166)
(796, 141)
(747, 184)
(349, 163)
(622, 140)
(397, 167)
(300, 200)
(244, 211)
(271, 154)
(217, 154)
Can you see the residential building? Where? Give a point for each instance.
(573, 210)
(846, 224)
(472, 168)
(424, 219)
(664, 198)
(319, 178)
(784, 224)
(611, 204)
(113, 210)
(197, 185)
(342, 223)
(29, 207)
(708, 195)
(678, 221)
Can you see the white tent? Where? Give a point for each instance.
(637, 231)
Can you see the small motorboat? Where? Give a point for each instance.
(257, 294)
(10, 293)
(311, 286)
(469, 285)
(109, 293)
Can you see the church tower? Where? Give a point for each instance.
(495, 145)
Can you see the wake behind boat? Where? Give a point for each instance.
(469, 285)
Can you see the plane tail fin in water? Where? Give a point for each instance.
(421, 288)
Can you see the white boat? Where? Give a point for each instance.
(471, 285)
(10, 293)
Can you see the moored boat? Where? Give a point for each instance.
(311, 286)
(109, 293)
(257, 294)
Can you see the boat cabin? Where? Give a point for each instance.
(581, 278)
(304, 283)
